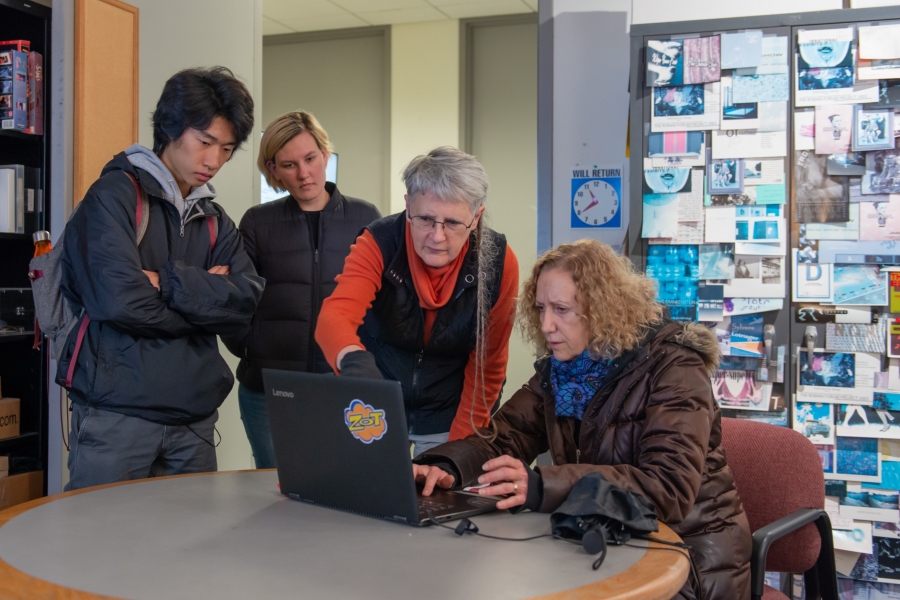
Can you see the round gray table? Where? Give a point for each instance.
(233, 535)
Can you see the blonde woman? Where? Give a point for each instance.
(298, 243)
(619, 391)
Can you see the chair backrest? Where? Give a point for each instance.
(777, 471)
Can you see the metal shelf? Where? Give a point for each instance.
(25, 437)
(18, 135)
(8, 337)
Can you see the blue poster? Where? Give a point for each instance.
(747, 335)
(676, 270)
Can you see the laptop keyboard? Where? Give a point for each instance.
(429, 504)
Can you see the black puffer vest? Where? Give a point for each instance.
(394, 329)
(298, 279)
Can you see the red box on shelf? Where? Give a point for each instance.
(17, 45)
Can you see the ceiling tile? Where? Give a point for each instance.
(283, 10)
(409, 15)
(360, 6)
(486, 8)
(271, 27)
(321, 23)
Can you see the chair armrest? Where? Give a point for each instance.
(764, 537)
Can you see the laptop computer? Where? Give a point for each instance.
(342, 442)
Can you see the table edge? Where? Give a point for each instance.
(673, 571)
(18, 585)
(668, 563)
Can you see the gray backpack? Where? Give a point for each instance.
(53, 314)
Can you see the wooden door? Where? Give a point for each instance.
(106, 86)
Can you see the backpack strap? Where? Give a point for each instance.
(213, 224)
(142, 209)
(70, 372)
(142, 217)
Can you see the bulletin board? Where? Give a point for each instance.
(765, 202)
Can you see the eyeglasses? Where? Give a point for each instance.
(451, 225)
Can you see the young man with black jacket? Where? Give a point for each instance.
(298, 243)
(142, 365)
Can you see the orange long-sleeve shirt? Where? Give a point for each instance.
(343, 312)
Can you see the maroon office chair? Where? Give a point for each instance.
(778, 474)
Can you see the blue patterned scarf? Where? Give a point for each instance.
(574, 382)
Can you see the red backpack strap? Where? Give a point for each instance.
(67, 383)
(141, 218)
(142, 209)
(213, 224)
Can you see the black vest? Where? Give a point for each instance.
(298, 279)
(394, 329)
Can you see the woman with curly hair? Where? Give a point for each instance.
(619, 391)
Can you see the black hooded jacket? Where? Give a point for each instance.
(299, 276)
(147, 353)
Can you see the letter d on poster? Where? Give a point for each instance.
(812, 281)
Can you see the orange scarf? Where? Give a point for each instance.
(434, 286)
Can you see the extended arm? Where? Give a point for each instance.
(343, 312)
(521, 434)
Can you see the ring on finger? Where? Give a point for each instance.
(515, 488)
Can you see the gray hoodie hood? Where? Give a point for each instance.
(144, 158)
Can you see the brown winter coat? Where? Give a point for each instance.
(653, 428)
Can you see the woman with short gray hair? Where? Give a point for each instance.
(427, 298)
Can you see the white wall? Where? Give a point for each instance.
(344, 82)
(62, 85)
(504, 138)
(590, 104)
(424, 94)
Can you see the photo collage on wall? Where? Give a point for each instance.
(714, 198)
(846, 265)
(729, 241)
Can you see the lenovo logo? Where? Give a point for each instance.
(282, 393)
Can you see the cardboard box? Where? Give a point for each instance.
(20, 488)
(10, 416)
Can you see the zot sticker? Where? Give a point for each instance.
(364, 422)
